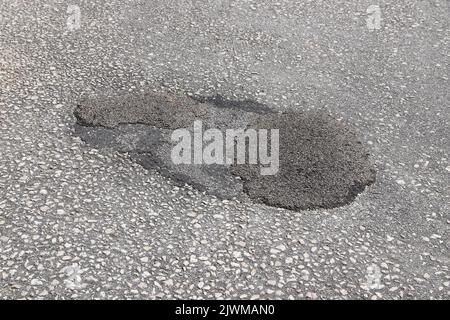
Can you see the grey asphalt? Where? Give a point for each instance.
(77, 222)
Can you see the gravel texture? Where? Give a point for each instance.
(79, 222)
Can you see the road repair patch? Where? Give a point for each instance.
(315, 161)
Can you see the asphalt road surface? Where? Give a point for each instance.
(80, 222)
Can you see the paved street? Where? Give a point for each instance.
(78, 222)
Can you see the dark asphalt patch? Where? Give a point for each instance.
(322, 163)
(162, 110)
(244, 105)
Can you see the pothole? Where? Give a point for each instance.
(321, 162)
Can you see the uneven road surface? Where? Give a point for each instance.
(79, 222)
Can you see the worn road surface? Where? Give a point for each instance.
(77, 222)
